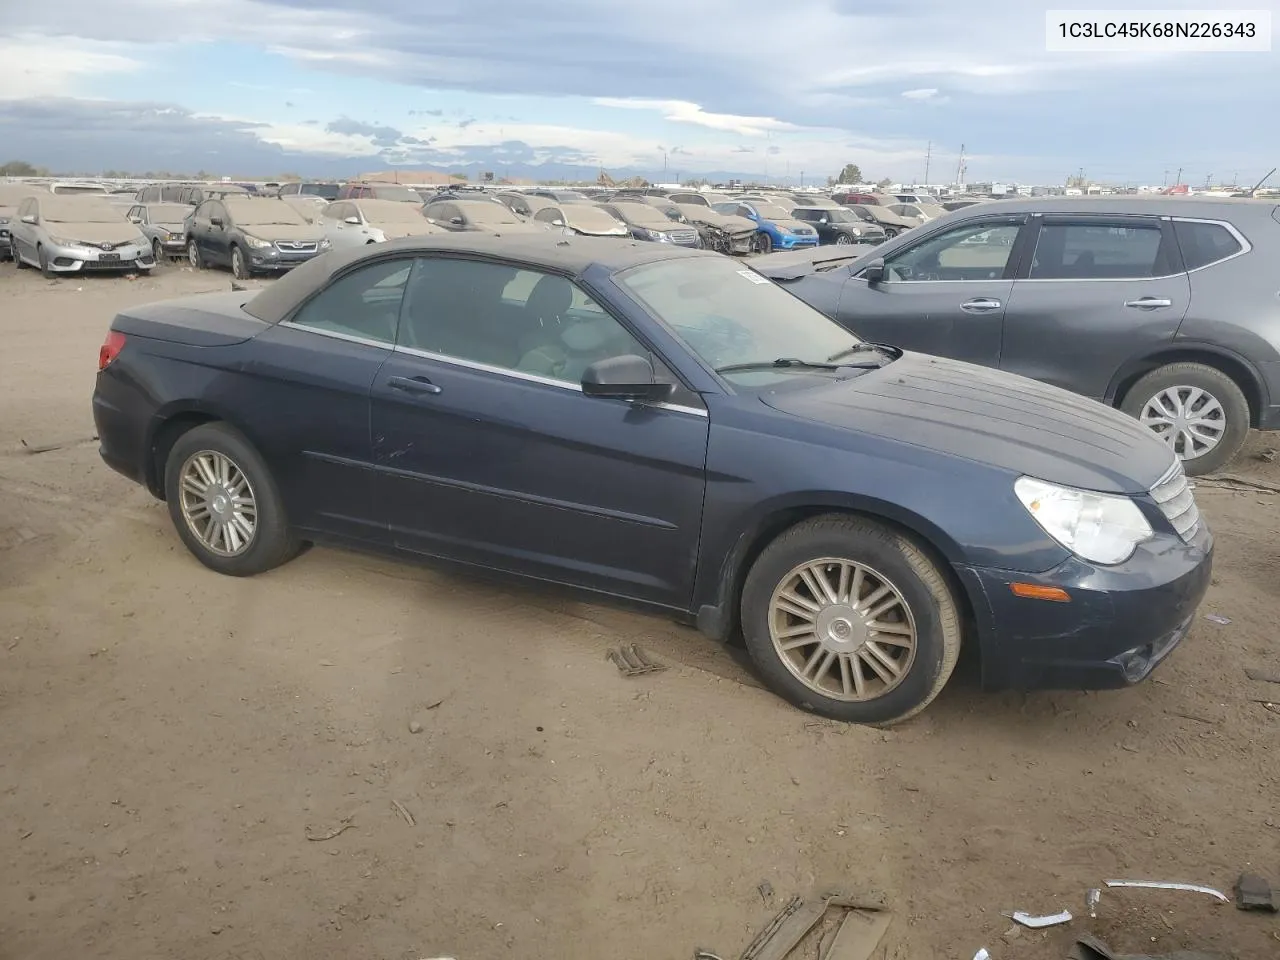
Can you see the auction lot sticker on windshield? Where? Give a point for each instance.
(753, 276)
(1158, 31)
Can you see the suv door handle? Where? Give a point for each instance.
(1149, 303)
(413, 385)
(981, 305)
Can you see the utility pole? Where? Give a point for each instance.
(1166, 179)
(928, 155)
(1179, 179)
(960, 167)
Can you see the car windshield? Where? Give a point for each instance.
(860, 212)
(81, 208)
(834, 216)
(264, 213)
(399, 194)
(589, 216)
(641, 214)
(329, 191)
(168, 212)
(771, 211)
(391, 211)
(479, 212)
(728, 314)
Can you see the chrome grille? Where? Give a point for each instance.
(300, 246)
(683, 236)
(1172, 494)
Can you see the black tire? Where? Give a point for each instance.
(890, 233)
(843, 239)
(239, 265)
(18, 262)
(157, 252)
(1215, 383)
(764, 243)
(272, 542)
(193, 256)
(893, 558)
(43, 258)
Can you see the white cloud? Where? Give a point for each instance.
(682, 111)
(924, 93)
(36, 66)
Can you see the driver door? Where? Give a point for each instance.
(945, 294)
(487, 457)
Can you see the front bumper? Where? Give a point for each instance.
(273, 258)
(1120, 623)
(793, 241)
(92, 260)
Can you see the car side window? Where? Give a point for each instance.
(974, 251)
(514, 319)
(1101, 251)
(364, 303)
(1204, 243)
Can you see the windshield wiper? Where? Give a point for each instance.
(863, 348)
(784, 362)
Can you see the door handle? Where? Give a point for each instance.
(413, 385)
(981, 305)
(1149, 303)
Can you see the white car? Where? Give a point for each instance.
(354, 223)
(77, 234)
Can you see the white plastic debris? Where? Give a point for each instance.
(982, 955)
(1091, 901)
(1218, 618)
(1164, 885)
(1037, 923)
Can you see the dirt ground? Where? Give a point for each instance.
(171, 740)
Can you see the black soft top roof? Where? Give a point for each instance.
(555, 253)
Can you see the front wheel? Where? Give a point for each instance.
(193, 256)
(1199, 411)
(157, 252)
(843, 239)
(43, 258)
(850, 620)
(890, 233)
(18, 263)
(239, 268)
(224, 503)
(764, 243)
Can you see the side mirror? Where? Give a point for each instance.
(629, 377)
(29, 218)
(873, 272)
(354, 221)
(216, 221)
(456, 221)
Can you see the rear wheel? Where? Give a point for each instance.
(1199, 411)
(850, 620)
(224, 502)
(193, 256)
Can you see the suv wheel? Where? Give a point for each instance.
(1196, 409)
(239, 269)
(850, 620)
(193, 256)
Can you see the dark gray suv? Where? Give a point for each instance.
(1165, 307)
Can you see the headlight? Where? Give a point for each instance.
(174, 236)
(60, 242)
(4, 221)
(1094, 526)
(253, 243)
(658, 235)
(325, 244)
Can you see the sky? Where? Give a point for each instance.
(788, 92)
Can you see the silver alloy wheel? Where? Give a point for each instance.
(843, 629)
(193, 254)
(843, 238)
(1189, 419)
(157, 251)
(237, 264)
(218, 503)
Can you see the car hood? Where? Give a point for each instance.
(175, 226)
(394, 231)
(500, 228)
(789, 223)
(123, 232)
(729, 224)
(306, 232)
(794, 264)
(989, 417)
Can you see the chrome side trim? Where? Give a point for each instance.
(335, 335)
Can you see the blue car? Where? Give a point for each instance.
(669, 428)
(776, 229)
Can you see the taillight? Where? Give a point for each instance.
(110, 349)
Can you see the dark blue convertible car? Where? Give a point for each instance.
(668, 427)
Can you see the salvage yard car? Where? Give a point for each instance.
(776, 229)
(250, 236)
(76, 233)
(1164, 307)
(163, 224)
(836, 225)
(586, 219)
(648, 223)
(665, 425)
(483, 216)
(353, 223)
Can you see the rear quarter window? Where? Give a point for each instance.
(1204, 243)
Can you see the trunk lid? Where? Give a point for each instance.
(207, 320)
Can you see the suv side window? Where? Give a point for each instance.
(1099, 250)
(510, 318)
(365, 303)
(975, 251)
(1204, 243)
